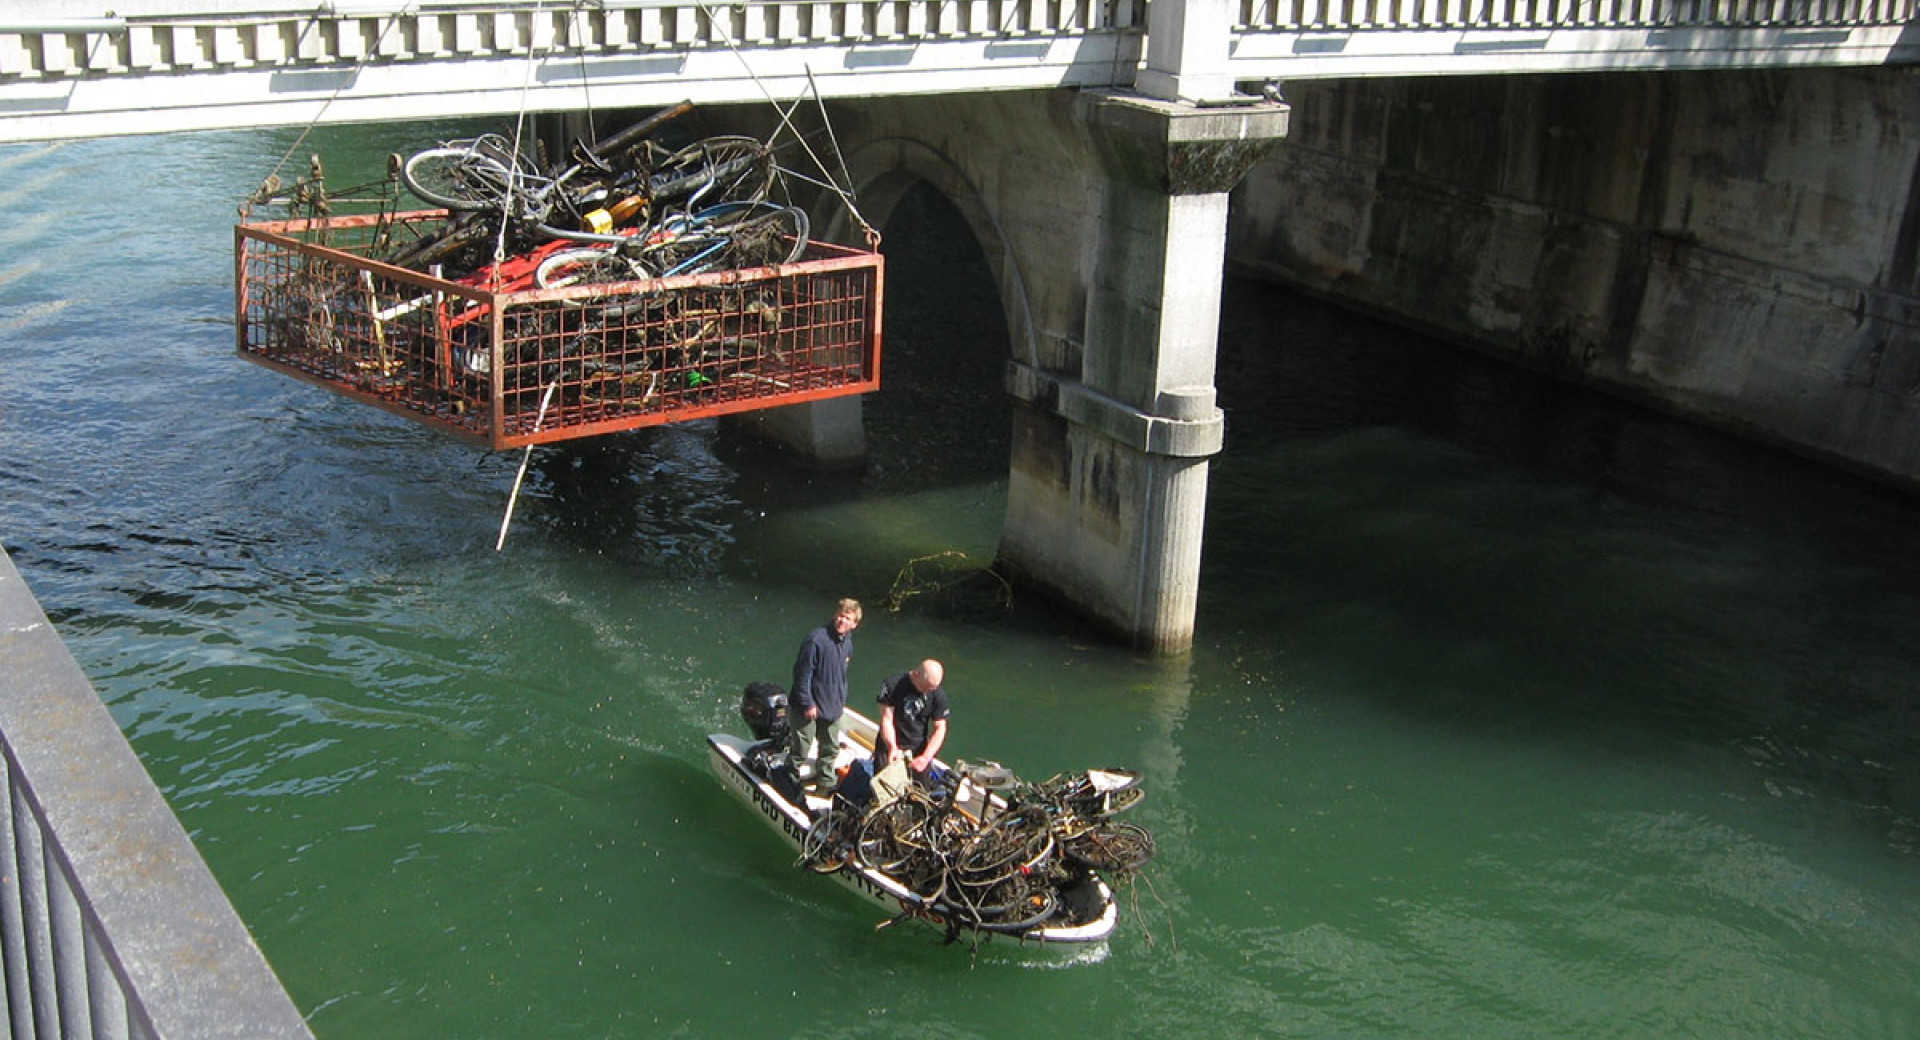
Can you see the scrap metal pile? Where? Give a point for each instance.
(620, 210)
(1023, 861)
(628, 284)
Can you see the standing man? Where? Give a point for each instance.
(818, 702)
(913, 719)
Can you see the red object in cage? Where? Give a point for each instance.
(477, 361)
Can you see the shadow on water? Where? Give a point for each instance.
(681, 495)
(1485, 551)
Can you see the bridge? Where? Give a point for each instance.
(1118, 125)
(157, 66)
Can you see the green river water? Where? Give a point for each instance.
(1514, 711)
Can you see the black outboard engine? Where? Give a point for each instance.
(764, 707)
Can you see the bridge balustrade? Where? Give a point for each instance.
(111, 925)
(177, 43)
(160, 66)
(157, 43)
(1260, 15)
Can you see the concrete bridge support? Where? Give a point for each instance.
(1106, 497)
(1103, 216)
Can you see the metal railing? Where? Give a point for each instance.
(111, 925)
(160, 66)
(333, 35)
(513, 364)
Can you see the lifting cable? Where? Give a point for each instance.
(576, 36)
(313, 26)
(845, 194)
(514, 171)
(500, 245)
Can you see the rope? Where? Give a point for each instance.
(313, 26)
(786, 123)
(872, 233)
(577, 37)
(513, 173)
(520, 118)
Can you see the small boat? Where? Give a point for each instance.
(1080, 910)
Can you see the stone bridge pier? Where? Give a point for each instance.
(1103, 216)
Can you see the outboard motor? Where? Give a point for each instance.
(764, 707)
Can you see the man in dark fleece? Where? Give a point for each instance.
(818, 701)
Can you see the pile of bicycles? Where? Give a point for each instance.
(1008, 862)
(633, 282)
(622, 209)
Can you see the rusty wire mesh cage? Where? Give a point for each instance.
(508, 368)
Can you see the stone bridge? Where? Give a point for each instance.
(1092, 146)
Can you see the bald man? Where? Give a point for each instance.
(913, 718)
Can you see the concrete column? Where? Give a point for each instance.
(828, 432)
(1187, 48)
(1107, 493)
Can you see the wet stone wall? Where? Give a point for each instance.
(1740, 247)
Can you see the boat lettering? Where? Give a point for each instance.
(765, 803)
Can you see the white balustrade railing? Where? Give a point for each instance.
(1260, 15)
(340, 33)
(48, 47)
(154, 68)
(163, 65)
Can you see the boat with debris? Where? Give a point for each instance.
(981, 855)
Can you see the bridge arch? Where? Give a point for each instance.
(884, 170)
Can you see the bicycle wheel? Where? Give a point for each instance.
(587, 267)
(822, 848)
(1015, 843)
(1014, 903)
(1112, 846)
(890, 837)
(767, 235)
(713, 171)
(1035, 905)
(472, 175)
(730, 237)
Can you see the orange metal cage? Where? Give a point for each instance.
(507, 368)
